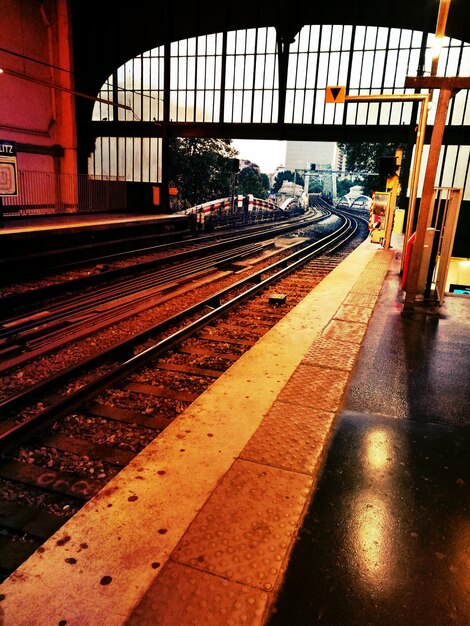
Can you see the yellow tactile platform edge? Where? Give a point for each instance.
(198, 528)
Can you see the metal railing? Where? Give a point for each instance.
(47, 193)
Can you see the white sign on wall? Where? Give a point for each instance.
(8, 169)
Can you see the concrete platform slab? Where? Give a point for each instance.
(290, 437)
(187, 596)
(244, 529)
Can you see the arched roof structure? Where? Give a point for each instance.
(107, 35)
(360, 201)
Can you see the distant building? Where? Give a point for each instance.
(300, 154)
(339, 162)
(325, 156)
(355, 197)
(289, 190)
(278, 170)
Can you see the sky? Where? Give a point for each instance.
(265, 153)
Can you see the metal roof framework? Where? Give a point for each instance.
(255, 70)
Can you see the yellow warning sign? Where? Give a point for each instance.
(336, 93)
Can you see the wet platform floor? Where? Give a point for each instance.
(386, 539)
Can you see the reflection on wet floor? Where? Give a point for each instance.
(386, 539)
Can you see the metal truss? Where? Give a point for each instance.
(268, 83)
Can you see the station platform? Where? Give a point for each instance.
(10, 226)
(324, 478)
(47, 240)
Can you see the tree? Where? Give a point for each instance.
(364, 157)
(286, 175)
(265, 182)
(250, 181)
(201, 169)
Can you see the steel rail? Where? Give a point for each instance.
(25, 430)
(128, 345)
(44, 327)
(77, 305)
(16, 300)
(90, 320)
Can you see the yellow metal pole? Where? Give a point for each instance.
(416, 167)
(444, 6)
(427, 197)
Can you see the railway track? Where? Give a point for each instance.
(36, 265)
(86, 307)
(25, 336)
(61, 442)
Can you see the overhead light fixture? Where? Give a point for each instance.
(436, 48)
(444, 6)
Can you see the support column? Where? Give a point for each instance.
(287, 29)
(425, 213)
(448, 87)
(164, 200)
(283, 64)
